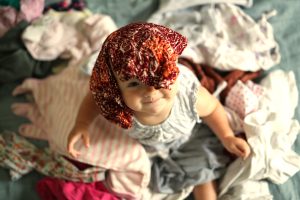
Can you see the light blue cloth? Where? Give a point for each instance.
(199, 160)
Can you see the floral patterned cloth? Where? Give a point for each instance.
(21, 157)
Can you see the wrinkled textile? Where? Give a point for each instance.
(271, 138)
(199, 160)
(224, 36)
(10, 17)
(68, 35)
(173, 5)
(56, 189)
(249, 190)
(244, 98)
(20, 157)
(271, 131)
(52, 118)
(216, 81)
(16, 63)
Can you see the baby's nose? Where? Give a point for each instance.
(150, 88)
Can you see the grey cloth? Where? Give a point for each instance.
(199, 160)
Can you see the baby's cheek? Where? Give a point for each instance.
(171, 93)
(130, 97)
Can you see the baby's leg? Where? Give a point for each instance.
(206, 191)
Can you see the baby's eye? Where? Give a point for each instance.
(133, 84)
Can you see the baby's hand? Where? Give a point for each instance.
(237, 146)
(74, 136)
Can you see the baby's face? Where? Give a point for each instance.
(146, 100)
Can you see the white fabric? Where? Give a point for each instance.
(172, 5)
(87, 68)
(69, 35)
(270, 132)
(270, 137)
(224, 36)
(281, 93)
(235, 122)
(249, 190)
(148, 194)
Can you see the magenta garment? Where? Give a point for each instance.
(145, 51)
(57, 189)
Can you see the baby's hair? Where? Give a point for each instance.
(145, 51)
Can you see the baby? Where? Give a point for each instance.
(137, 84)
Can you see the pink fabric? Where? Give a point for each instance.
(56, 189)
(52, 115)
(32, 9)
(244, 98)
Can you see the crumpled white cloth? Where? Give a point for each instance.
(69, 35)
(172, 5)
(148, 194)
(224, 36)
(271, 132)
(249, 190)
(87, 68)
(270, 137)
(277, 93)
(281, 93)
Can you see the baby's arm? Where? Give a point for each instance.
(86, 114)
(213, 114)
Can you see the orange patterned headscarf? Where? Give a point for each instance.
(145, 51)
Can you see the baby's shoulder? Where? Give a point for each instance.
(187, 94)
(187, 79)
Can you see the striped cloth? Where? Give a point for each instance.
(53, 112)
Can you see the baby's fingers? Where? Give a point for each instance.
(71, 144)
(74, 153)
(243, 149)
(86, 139)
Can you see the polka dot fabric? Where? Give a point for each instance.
(145, 51)
(244, 98)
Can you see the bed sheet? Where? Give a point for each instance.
(286, 31)
(25, 187)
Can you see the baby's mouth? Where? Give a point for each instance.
(151, 100)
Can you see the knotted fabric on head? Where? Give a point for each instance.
(145, 51)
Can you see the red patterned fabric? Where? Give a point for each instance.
(144, 51)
